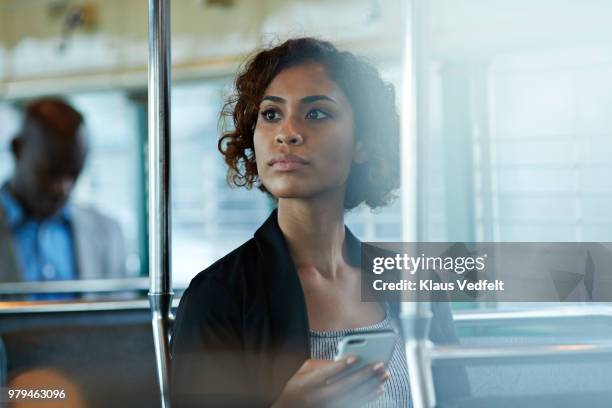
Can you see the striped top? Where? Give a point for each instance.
(324, 345)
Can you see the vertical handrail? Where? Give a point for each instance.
(160, 293)
(415, 321)
(415, 316)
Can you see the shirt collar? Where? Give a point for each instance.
(15, 214)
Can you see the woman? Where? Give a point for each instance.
(317, 129)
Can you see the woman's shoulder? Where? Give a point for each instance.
(216, 294)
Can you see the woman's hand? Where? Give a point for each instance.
(316, 384)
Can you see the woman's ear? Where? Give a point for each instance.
(359, 153)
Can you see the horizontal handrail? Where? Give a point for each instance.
(74, 306)
(75, 286)
(512, 353)
(496, 318)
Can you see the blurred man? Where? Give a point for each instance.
(43, 236)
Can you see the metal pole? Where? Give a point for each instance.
(415, 320)
(160, 293)
(416, 316)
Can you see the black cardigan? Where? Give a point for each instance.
(242, 328)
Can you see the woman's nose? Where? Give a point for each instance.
(289, 134)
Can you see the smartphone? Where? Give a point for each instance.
(369, 348)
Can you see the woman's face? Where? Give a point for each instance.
(304, 138)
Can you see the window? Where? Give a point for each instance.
(209, 218)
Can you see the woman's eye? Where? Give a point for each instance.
(270, 115)
(317, 114)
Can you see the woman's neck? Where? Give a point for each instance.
(314, 231)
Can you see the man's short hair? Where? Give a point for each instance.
(54, 115)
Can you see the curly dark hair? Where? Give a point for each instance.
(376, 121)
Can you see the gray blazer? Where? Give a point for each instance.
(98, 241)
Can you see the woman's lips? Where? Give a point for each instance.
(288, 163)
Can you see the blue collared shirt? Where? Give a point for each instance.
(44, 248)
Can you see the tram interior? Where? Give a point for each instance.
(512, 102)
